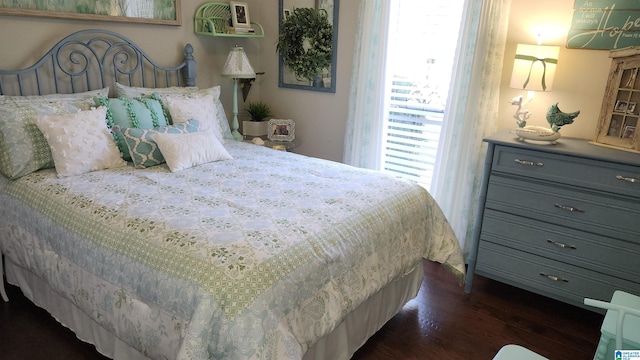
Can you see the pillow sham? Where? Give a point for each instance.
(183, 151)
(23, 148)
(221, 116)
(144, 150)
(201, 108)
(142, 113)
(80, 142)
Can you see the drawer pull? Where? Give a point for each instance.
(554, 278)
(629, 179)
(568, 208)
(561, 245)
(527, 162)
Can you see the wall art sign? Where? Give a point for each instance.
(604, 24)
(163, 12)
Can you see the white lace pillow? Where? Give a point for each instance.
(182, 151)
(201, 108)
(80, 142)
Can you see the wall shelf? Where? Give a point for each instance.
(214, 19)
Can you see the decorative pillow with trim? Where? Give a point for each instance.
(144, 150)
(23, 148)
(201, 108)
(221, 116)
(183, 151)
(80, 142)
(141, 113)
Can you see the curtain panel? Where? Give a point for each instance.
(470, 114)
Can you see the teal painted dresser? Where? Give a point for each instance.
(559, 220)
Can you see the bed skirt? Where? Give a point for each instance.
(341, 343)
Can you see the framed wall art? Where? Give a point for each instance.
(240, 14)
(281, 130)
(163, 12)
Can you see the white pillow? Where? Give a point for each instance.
(182, 151)
(80, 142)
(202, 108)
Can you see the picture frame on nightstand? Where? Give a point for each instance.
(281, 130)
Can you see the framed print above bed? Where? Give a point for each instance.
(162, 12)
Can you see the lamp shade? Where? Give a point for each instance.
(534, 67)
(237, 65)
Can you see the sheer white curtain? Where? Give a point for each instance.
(363, 137)
(471, 113)
(471, 110)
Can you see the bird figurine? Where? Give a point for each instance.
(556, 118)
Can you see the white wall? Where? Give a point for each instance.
(321, 117)
(581, 75)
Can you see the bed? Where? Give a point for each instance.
(251, 254)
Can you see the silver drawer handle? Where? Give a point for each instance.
(554, 278)
(568, 208)
(629, 179)
(527, 162)
(561, 245)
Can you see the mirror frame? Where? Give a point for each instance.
(334, 55)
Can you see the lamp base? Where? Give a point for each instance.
(537, 134)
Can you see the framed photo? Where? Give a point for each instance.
(286, 13)
(240, 14)
(162, 12)
(631, 107)
(621, 106)
(629, 132)
(281, 130)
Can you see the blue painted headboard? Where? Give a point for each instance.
(93, 59)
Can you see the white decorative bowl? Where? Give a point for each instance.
(537, 133)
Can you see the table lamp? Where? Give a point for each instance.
(534, 68)
(237, 67)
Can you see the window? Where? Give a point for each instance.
(423, 35)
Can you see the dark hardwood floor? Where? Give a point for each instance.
(441, 323)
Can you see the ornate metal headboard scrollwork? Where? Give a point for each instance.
(94, 59)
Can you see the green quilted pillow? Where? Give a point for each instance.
(144, 150)
(23, 148)
(141, 113)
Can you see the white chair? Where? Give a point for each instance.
(517, 352)
(621, 325)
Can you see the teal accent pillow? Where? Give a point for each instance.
(23, 148)
(223, 122)
(141, 113)
(144, 150)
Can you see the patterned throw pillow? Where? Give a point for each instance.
(23, 148)
(144, 150)
(221, 116)
(80, 142)
(142, 113)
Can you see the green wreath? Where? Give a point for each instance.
(306, 61)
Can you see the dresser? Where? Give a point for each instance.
(560, 220)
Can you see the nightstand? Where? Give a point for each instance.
(559, 220)
(280, 145)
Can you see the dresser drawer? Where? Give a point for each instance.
(598, 253)
(591, 211)
(588, 173)
(546, 276)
